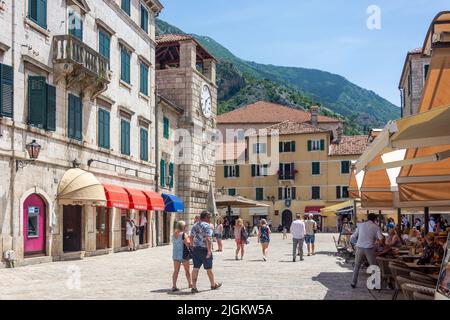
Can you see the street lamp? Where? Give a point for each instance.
(33, 150)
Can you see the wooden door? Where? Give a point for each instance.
(72, 228)
(102, 228)
(34, 212)
(286, 219)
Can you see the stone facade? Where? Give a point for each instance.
(412, 82)
(29, 50)
(183, 85)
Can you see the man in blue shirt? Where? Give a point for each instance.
(201, 239)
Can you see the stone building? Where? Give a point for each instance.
(186, 76)
(78, 78)
(412, 81)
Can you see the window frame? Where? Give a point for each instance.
(42, 24)
(108, 36)
(146, 68)
(166, 127)
(80, 116)
(143, 153)
(125, 70)
(125, 149)
(316, 188)
(313, 167)
(142, 10)
(126, 6)
(259, 192)
(342, 166)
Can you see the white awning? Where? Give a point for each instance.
(258, 211)
(234, 212)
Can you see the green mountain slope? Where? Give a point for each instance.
(242, 82)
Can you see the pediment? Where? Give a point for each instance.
(82, 4)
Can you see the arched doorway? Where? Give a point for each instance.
(34, 222)
(286, 219)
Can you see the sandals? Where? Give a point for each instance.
(194, 290)
(175, 289)
(216, 286)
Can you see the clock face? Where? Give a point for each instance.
(206, 102)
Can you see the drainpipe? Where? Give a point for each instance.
(157, 159)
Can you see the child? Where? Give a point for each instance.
(284, 233)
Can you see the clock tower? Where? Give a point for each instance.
(186, 75)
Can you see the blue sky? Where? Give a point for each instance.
(329, 35)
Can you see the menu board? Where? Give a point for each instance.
(443, 286)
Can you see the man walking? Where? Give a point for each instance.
(310, 237)
(298, 236)
(365, 236)
(201, 239)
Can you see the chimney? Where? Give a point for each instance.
(339, 133)
(314, 115)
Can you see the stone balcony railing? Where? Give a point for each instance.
(80, 65)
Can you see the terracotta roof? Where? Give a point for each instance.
(267, 112)
(169, 38)
(290, 127)
(415, 51)
(350, 145)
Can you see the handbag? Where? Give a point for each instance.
(187, 255)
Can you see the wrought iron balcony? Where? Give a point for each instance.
(286, 176)
(80, 65)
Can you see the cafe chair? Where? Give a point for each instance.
(386, 275)
(422, 277)
(396, 271)
(421, 296)
(409, 289)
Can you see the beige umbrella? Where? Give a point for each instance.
(225, 201)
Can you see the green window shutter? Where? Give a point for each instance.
(237, 171)
(253, 170)
(322, 145)
(51, 108)
(104, 44)
(166, 128)
(315, 168)
(144, 19)
(103, 128)
(75, 118)
(6, 91)
(280, 193)
(37, 11)
(37, 101)
(280, 146)
(294, 193)
(125, 137)
(126, 6)
(144, 79)
(100, 129)
(338, 192)
(125, 65)
(225, 171)
(144, 144)
(293, 146)
(163, 173)
(232, 192)
(309, 145)
(171, 175)
(259, 194)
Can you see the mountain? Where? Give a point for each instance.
(242, 82)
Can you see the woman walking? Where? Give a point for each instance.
(180, 255)
(264, 238)
(240, 236)
(130, 232)
(218, 234)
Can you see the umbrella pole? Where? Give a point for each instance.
(427, 219)
(399, 220)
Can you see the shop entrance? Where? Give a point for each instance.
(102, 228)
(286, 219)
(34, 213)
(143, 227)
(72, 228)
(123, 227)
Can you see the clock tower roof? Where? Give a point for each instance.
(166, 41)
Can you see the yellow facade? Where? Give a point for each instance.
(329, 178)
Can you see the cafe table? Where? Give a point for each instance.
(426, 268)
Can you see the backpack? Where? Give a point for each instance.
(186, 251)
(244, 234)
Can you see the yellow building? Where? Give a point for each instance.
(301, 168)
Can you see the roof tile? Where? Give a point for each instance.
(350, 145)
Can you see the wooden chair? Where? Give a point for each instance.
(408, 293)
(409, 289)
(396, 271)
(422, 277)
(386, 275)
(421, 296)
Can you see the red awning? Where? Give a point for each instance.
(313, 210)
(116, 197)
(137, 198)
(154, 200)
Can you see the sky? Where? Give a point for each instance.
(364, 41)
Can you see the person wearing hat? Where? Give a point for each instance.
(310, 237)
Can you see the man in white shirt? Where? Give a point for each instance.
(366, 234)
(298, 236)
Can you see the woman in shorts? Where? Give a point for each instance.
(264, 238)
(180, 240)
(239, 231)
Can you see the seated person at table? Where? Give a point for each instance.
(393, 240)
(405, 235)
(428, 251)
(381, 248)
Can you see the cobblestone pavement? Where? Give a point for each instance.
(146, 274)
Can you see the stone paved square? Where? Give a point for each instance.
(146, 275)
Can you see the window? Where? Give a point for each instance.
(103, 128)
(6, 91)
(287, 193)
(232, 192)
(286, 171)
(259, 194)
(144, 144)
(342, 192)
(125, 58)
(260, 170)
(144, 79)
(33, 222)
(76, 25)
(37, 11)
(426, 68)
(166, 127)
(163, 173)
(345, 167)
(259, 148)
(41, 104)
(144, 19)
(288, 146)
(315, 168)
(316, 145)
(75, 118)
(315, 193)
(231, 171)
(104, 44)
(125, 137)
(126, 6)
(171, 175)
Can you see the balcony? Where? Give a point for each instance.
(290, 176)
(82, 67)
